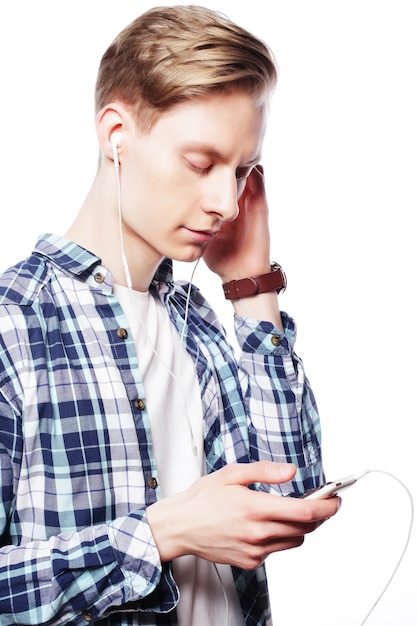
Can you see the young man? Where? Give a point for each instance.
(142, 467)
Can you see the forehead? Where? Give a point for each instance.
(223, 122)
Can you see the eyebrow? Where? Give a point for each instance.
(208, 149)
(253, 161)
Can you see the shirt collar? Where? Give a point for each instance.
(78, 261)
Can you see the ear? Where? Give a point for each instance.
(111, 119)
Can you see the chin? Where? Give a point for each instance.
(188, 256)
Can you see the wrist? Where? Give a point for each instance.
(262, 307)
(164, 519)
(272, 281)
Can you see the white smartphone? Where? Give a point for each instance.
(329, 489)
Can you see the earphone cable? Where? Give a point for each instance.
(122, 249)
(169, 370)
(405, 545)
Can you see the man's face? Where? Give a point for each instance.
(182, 181)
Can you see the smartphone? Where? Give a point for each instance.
(332, 488)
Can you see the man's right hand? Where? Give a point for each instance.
(219, 519)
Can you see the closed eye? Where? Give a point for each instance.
(241, 172)
(202, 171)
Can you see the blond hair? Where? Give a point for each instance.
(171, 54)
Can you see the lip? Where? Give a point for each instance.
(201, 236)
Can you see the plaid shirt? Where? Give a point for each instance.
(76, 465)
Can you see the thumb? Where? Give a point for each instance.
(258, 472)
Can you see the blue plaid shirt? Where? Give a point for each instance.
(77, 470)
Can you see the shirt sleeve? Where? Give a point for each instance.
(74, 577)
(283, 419)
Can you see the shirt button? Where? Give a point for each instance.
(152, 482)
(99, 277)
(276, 340)
(88, 616)
(140, 404)
(122, 333)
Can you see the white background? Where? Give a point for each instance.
(340, 161)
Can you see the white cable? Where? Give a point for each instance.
(194, 447)
(193, 443)
(130, 287)
(119, 206)
(171, 373)
(406, 542)
(226, 600)
(187, 304)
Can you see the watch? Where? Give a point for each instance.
(275, 280)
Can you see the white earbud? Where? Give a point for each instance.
(115, 140)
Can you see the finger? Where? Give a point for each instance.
(297, 515)
(253, 182)
(259, 174)
(255, 555)
(258, 472)
(276, 531)
(297, 512)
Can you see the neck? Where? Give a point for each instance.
(97, 228)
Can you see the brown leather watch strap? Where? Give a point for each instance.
(274, 280)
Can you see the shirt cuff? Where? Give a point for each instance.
(264, 337)
(136, 552)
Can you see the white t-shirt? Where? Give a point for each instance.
(173, 402)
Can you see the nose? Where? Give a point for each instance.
(221, 197)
